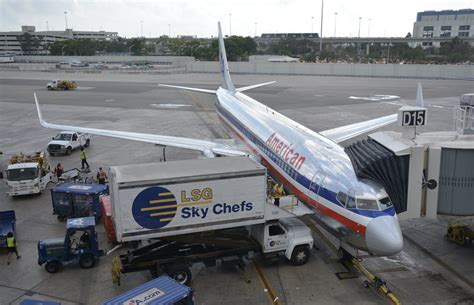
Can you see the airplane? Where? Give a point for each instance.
(313, 166)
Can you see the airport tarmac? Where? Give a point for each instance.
(430, 270)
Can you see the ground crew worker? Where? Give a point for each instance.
(58, 170)
(83, 158)
(101, 176)
(11, 245)
(278, 192)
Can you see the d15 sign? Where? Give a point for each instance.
(411, 116)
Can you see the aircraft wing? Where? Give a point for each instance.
(208, 148)
(347, 132)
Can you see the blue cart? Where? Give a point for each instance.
(72, 200)
(160, 291)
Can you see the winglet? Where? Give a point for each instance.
(419, 96)
(40, 114)
(226, 81)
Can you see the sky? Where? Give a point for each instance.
(378, 18)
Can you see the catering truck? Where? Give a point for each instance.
(27, 174)
(201, 210)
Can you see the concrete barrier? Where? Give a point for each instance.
(465, 72)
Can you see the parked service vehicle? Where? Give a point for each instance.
(27, 174)
(66, 141)
(160, 291)
(7, 224)
(58, 84)
(219, 197)
(72, 200)
(80, 246)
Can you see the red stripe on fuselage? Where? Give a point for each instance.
(355, 226)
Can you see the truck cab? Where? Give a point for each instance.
(26, 178)
(79, 246)
(289, 237)
(66, 141)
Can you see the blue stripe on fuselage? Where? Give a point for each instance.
(290, 171)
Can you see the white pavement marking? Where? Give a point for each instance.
(436, 106)
(375, 98)
(110, 100)
(84, 88)
(169, 105)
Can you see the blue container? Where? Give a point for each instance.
(71, 200)
(38, 302)
(160, 291)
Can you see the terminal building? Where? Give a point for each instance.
(443, 24)
(28, 41)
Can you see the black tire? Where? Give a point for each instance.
(181, 274)
(68, 150)
(366, 284)
(88, 142)
(87, 261)
(300, 256)
(343, 255)
(51, 154)
(49, 88)
(52, 266)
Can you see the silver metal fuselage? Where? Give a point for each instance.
(314, 168)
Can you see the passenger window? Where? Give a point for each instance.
(74, 137)
(367, 204)
(351, 203)
(275, 230)
(342, 198)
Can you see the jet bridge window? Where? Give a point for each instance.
(342, 198)
(367, 204)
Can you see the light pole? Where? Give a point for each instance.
(321, 34)
(141, 23)
(47, 26)
(358, 36)
(169, 30)
(230, 25)
(312, 18)
(368, 30)
(255, 35)
(335, 20)
(65, 17)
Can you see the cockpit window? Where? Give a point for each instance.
(367, 204)
(351, 203)
(385, 203)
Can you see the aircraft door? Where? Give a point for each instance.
(315, 184)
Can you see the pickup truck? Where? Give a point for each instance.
(66, 141)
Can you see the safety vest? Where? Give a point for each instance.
(11, 242)
(82, 155)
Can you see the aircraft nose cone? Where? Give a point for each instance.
(383, 236)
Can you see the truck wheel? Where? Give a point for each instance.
(180, 274)
(87, 261)
(300, 256)
(68, 150)
(49, 88)
(52, 266)
(343, 255)
(88, 142)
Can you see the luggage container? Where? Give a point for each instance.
(71, 200)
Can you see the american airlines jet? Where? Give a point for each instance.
(312, 165)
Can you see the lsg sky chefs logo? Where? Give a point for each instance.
(155, 207)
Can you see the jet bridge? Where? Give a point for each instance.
(424, 174)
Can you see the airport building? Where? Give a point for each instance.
(443, 24)
(28, 41)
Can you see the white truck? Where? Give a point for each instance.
(214, 208)
(66, 141)
(27, 174)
